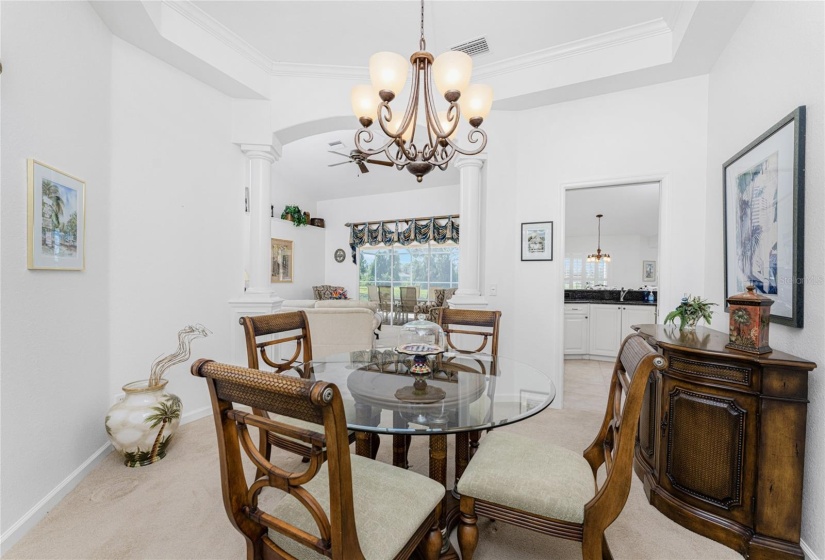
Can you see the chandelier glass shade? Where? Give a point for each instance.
(598, 255)
(450, 72)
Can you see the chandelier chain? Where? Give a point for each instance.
(422, 43)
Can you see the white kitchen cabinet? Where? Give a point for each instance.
(605, 329)
(576, 330)
(610, 324)
(636, 315)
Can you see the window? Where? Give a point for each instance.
(423, 266)
(580, 274)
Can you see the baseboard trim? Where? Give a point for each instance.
(809, 554)
(32, 517)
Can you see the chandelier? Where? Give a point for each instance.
(598, 255)
(451, 72)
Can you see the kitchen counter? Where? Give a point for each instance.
(609, 302)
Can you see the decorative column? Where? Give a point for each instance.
(468, 295)
(259, 298)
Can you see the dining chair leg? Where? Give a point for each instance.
(400, 447)
(467, 528)
(430, 547)
(375, 443)
(474, 437)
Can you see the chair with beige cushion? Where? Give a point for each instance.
(553, 490)
(431, 308)
(339, 506)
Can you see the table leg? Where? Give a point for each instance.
(364, 444)
(474, 437)
(462, 454)
(438, 458)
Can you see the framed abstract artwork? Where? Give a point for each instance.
(537, 241)
(281, 260)
(764, 212)
(56, 219)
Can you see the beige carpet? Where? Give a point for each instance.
(173, 509)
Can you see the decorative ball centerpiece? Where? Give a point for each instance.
(421, 340)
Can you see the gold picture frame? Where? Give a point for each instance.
(281, 261)
(56, 235)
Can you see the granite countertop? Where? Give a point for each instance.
(632, 297)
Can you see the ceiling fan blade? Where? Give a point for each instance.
(336, 164)
(380, 162)
(362, 167)
(339, 153)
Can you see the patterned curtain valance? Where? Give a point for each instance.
(403, 232)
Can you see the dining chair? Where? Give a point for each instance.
(553, 490)
(259, 332)
(385, 301)
(340, 506)
(408, 296)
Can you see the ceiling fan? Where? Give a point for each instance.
(360, 159)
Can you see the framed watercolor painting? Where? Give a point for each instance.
(281, 260)
(537, 241)
(56, 219)
(764, 210)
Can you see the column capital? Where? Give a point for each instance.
(260, 151)
(470, 161)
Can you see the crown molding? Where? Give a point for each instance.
(578, 47)
(220, 32)
(302, 70)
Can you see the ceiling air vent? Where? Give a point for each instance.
(474, 47)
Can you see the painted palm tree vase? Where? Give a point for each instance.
(141, 425)
(750, 317)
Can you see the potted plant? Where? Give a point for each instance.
(295, 215)
(690, 311)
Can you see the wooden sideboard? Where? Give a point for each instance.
(721, 443)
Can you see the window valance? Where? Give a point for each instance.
(439, 229)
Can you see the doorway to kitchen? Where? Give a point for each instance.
(611, 280)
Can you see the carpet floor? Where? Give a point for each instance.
(173, 509)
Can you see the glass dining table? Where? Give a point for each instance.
(473, 392)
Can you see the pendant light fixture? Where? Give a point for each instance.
(451, 73)
(598, 255)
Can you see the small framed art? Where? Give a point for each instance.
(537, 241)
(648, 271)
(281, 260)
(530, 400)
(56, 219)
(764, 211)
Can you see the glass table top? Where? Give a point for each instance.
(465, 391)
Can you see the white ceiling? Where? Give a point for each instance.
(345, 33)
(627, 209)
(305, 164)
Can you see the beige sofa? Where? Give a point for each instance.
(338, 325)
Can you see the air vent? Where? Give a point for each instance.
(473, 47)
(336, 144)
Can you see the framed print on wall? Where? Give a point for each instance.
(281, 260)
(764, 211)
(537, 241)
(648, 271)
(56, 219)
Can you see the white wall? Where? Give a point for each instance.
(176, 248)
(435, 201)
(656, 131)
(307, 259)
(773, 64)
(626, 255)
(56, 337)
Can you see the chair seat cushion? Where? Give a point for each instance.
(524, 474)
(390, 505)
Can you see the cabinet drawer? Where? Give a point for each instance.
(729, 372)
(576, 308)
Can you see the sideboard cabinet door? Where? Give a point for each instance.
(708, 438)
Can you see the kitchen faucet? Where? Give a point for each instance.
(624, 293)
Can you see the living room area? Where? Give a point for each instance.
(195, 126)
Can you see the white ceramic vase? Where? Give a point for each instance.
(141, 425)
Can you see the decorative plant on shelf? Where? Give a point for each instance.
(690, 311)
(295, 215)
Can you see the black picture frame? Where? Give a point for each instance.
(763, 201)
(537, 241)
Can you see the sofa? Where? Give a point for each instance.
(338, 325)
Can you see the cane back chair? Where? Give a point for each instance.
(258, 332)
(341, 506)
(553, 490)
